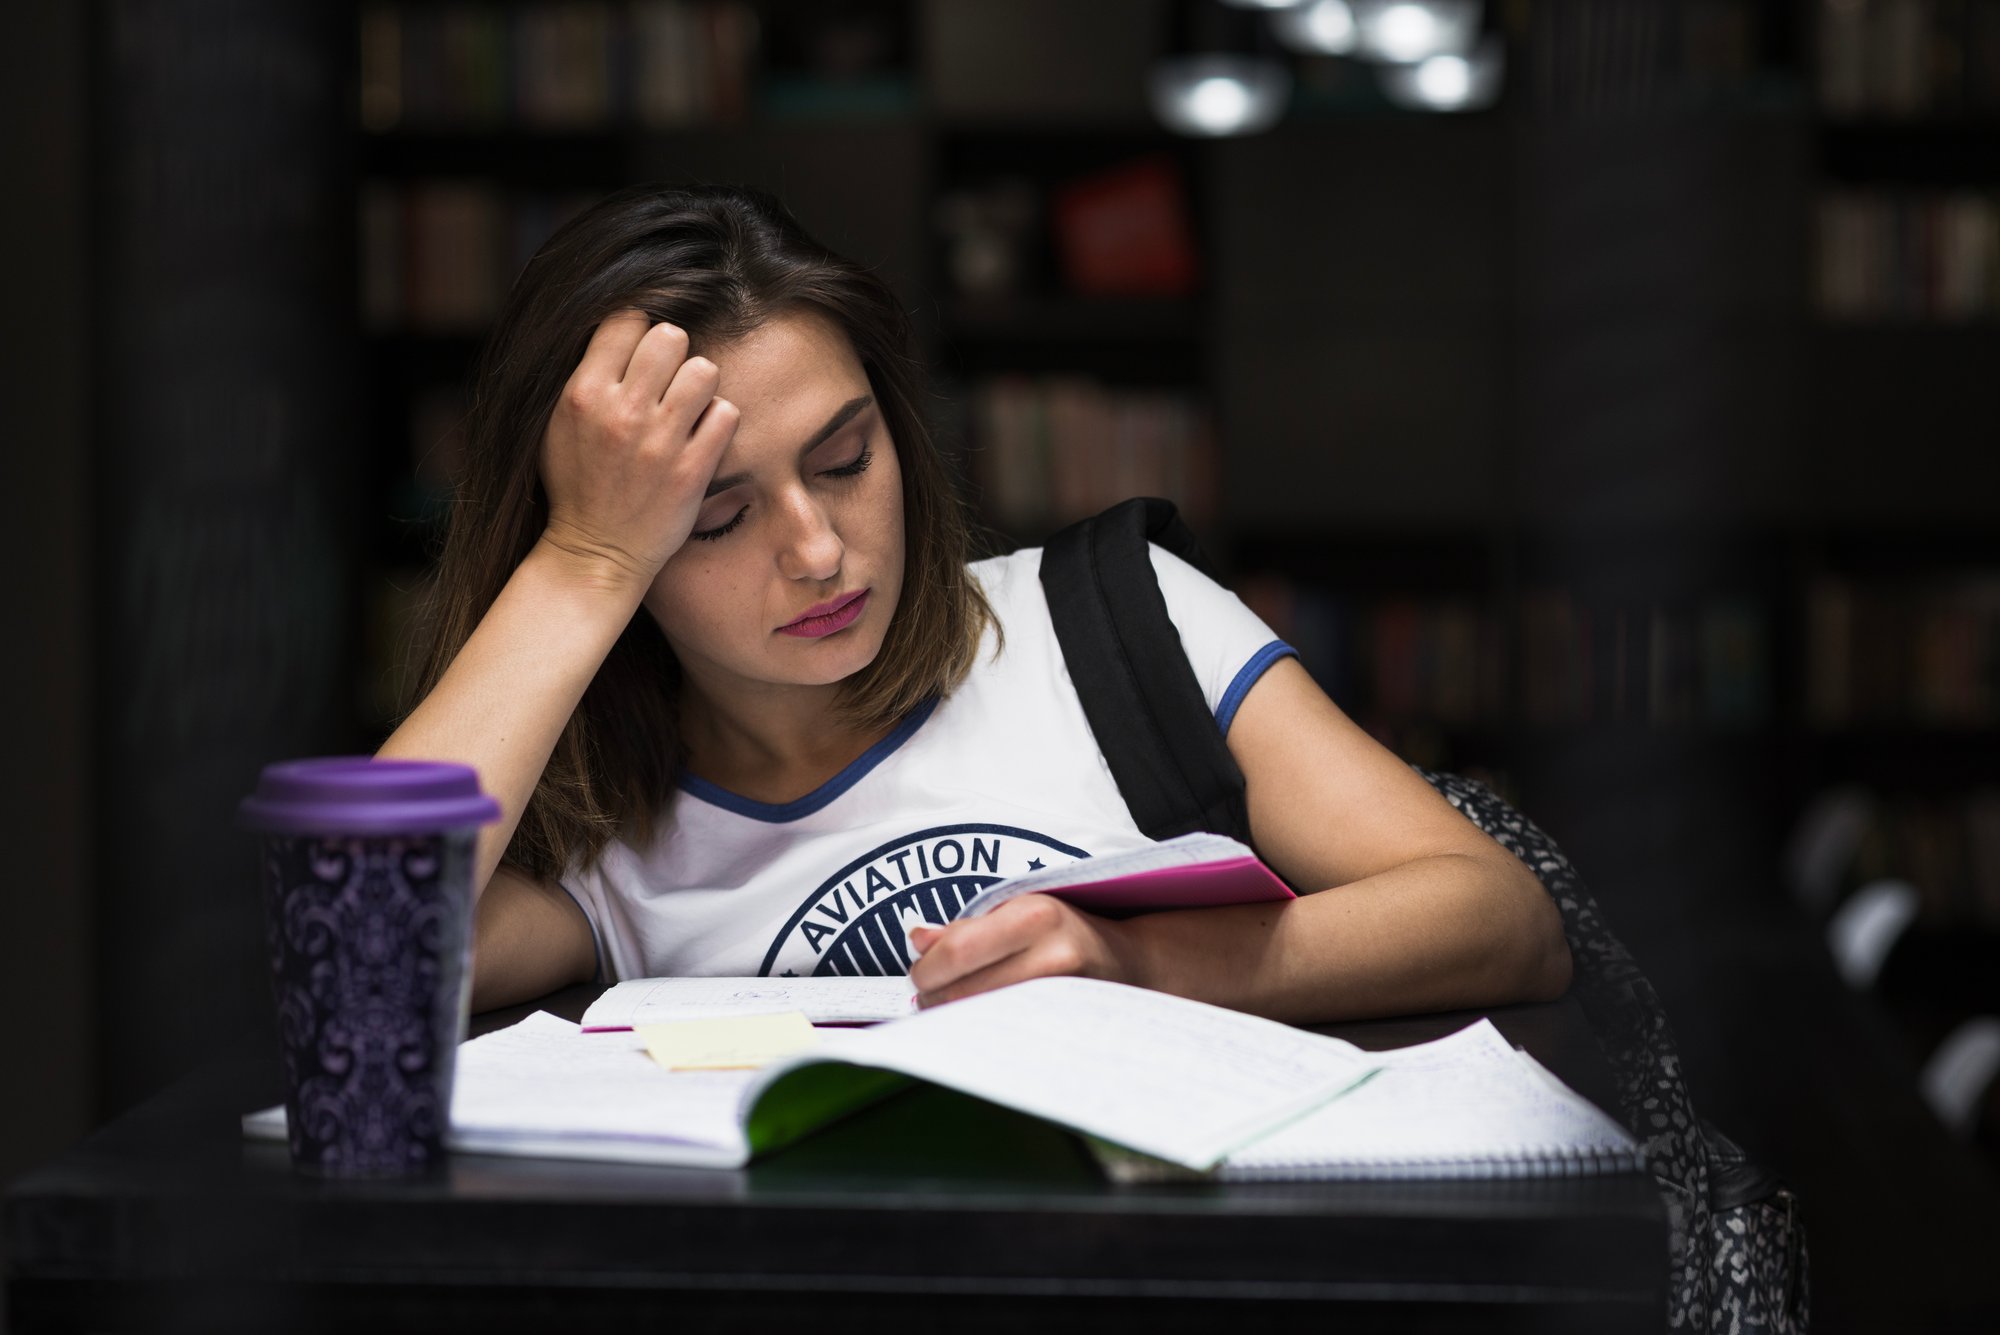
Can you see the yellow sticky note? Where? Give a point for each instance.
(733, 1042)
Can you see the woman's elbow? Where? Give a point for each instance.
(1527, 958)
(1546, 967)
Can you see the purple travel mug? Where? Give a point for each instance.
(367, 868)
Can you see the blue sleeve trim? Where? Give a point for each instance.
(1246, 677)
(596, 945)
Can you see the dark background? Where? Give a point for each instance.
(1562, 369)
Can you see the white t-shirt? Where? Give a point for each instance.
(1001, 777)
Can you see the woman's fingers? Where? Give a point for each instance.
(654, 361)
(1014, 969)
(611, 347)
(690, 394)
(711, 436)
(1033, 936)
(660, 374)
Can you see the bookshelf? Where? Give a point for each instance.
(1899, 592)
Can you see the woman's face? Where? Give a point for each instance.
(796, 561)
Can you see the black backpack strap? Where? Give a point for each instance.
(1131, 672)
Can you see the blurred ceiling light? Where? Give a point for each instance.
(1216, 95)
(1318, 28)
(1261, 4)
(1447, 83)
(1404, 32)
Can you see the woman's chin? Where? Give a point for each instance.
(834, 658)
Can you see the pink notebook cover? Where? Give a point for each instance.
(1243, 880)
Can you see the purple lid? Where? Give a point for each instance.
(362, 795)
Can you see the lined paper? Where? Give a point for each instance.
(1466, 1105)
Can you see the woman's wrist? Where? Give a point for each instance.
(592, 570)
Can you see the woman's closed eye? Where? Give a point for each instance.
(710, 534)
(854, 468)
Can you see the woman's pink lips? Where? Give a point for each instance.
(827, 617)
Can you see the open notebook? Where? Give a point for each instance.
(1174, 1079)
(1468, 1105)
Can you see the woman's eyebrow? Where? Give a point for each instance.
(841, 417)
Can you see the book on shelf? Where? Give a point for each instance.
(1947, 847)
(1051, 449)
(1149, 1078)
(565, 65)
(1443, 658)
(1902, 59)
(438, 253)
(1124, 231)
(693, 63)
(451, 255)
(1924, 654)
(1929, 256)
(569, 66)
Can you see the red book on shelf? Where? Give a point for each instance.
(1124, 232)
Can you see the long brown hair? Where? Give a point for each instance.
(718, 261)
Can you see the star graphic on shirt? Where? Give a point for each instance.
(1035, 865)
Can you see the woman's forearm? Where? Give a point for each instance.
(505, 699)
(1437, 933)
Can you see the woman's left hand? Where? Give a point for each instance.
(1035, 936)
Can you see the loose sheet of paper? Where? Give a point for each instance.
(730, 1043)
(1160, 1074)
(830, 1000)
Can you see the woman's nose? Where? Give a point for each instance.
(810, 548)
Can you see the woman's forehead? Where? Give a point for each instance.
(799, 362)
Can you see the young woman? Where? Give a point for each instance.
(705, 627)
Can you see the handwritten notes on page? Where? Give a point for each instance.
(1467, 1105)
(830, 1000)
(727, 1043)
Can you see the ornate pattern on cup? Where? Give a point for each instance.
(370, 959)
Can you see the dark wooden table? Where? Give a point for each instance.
(932, 1206)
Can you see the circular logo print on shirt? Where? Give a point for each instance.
(854, 923)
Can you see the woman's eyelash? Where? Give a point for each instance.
(710, 535)
(855, 469)
(859, 466)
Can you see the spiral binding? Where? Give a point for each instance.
(1528, 1161)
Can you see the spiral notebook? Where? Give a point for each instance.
(1465, 1106)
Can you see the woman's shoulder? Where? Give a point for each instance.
(1010, 583)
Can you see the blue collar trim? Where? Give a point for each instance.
(716, 795)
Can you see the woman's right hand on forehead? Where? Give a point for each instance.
(631, 447)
